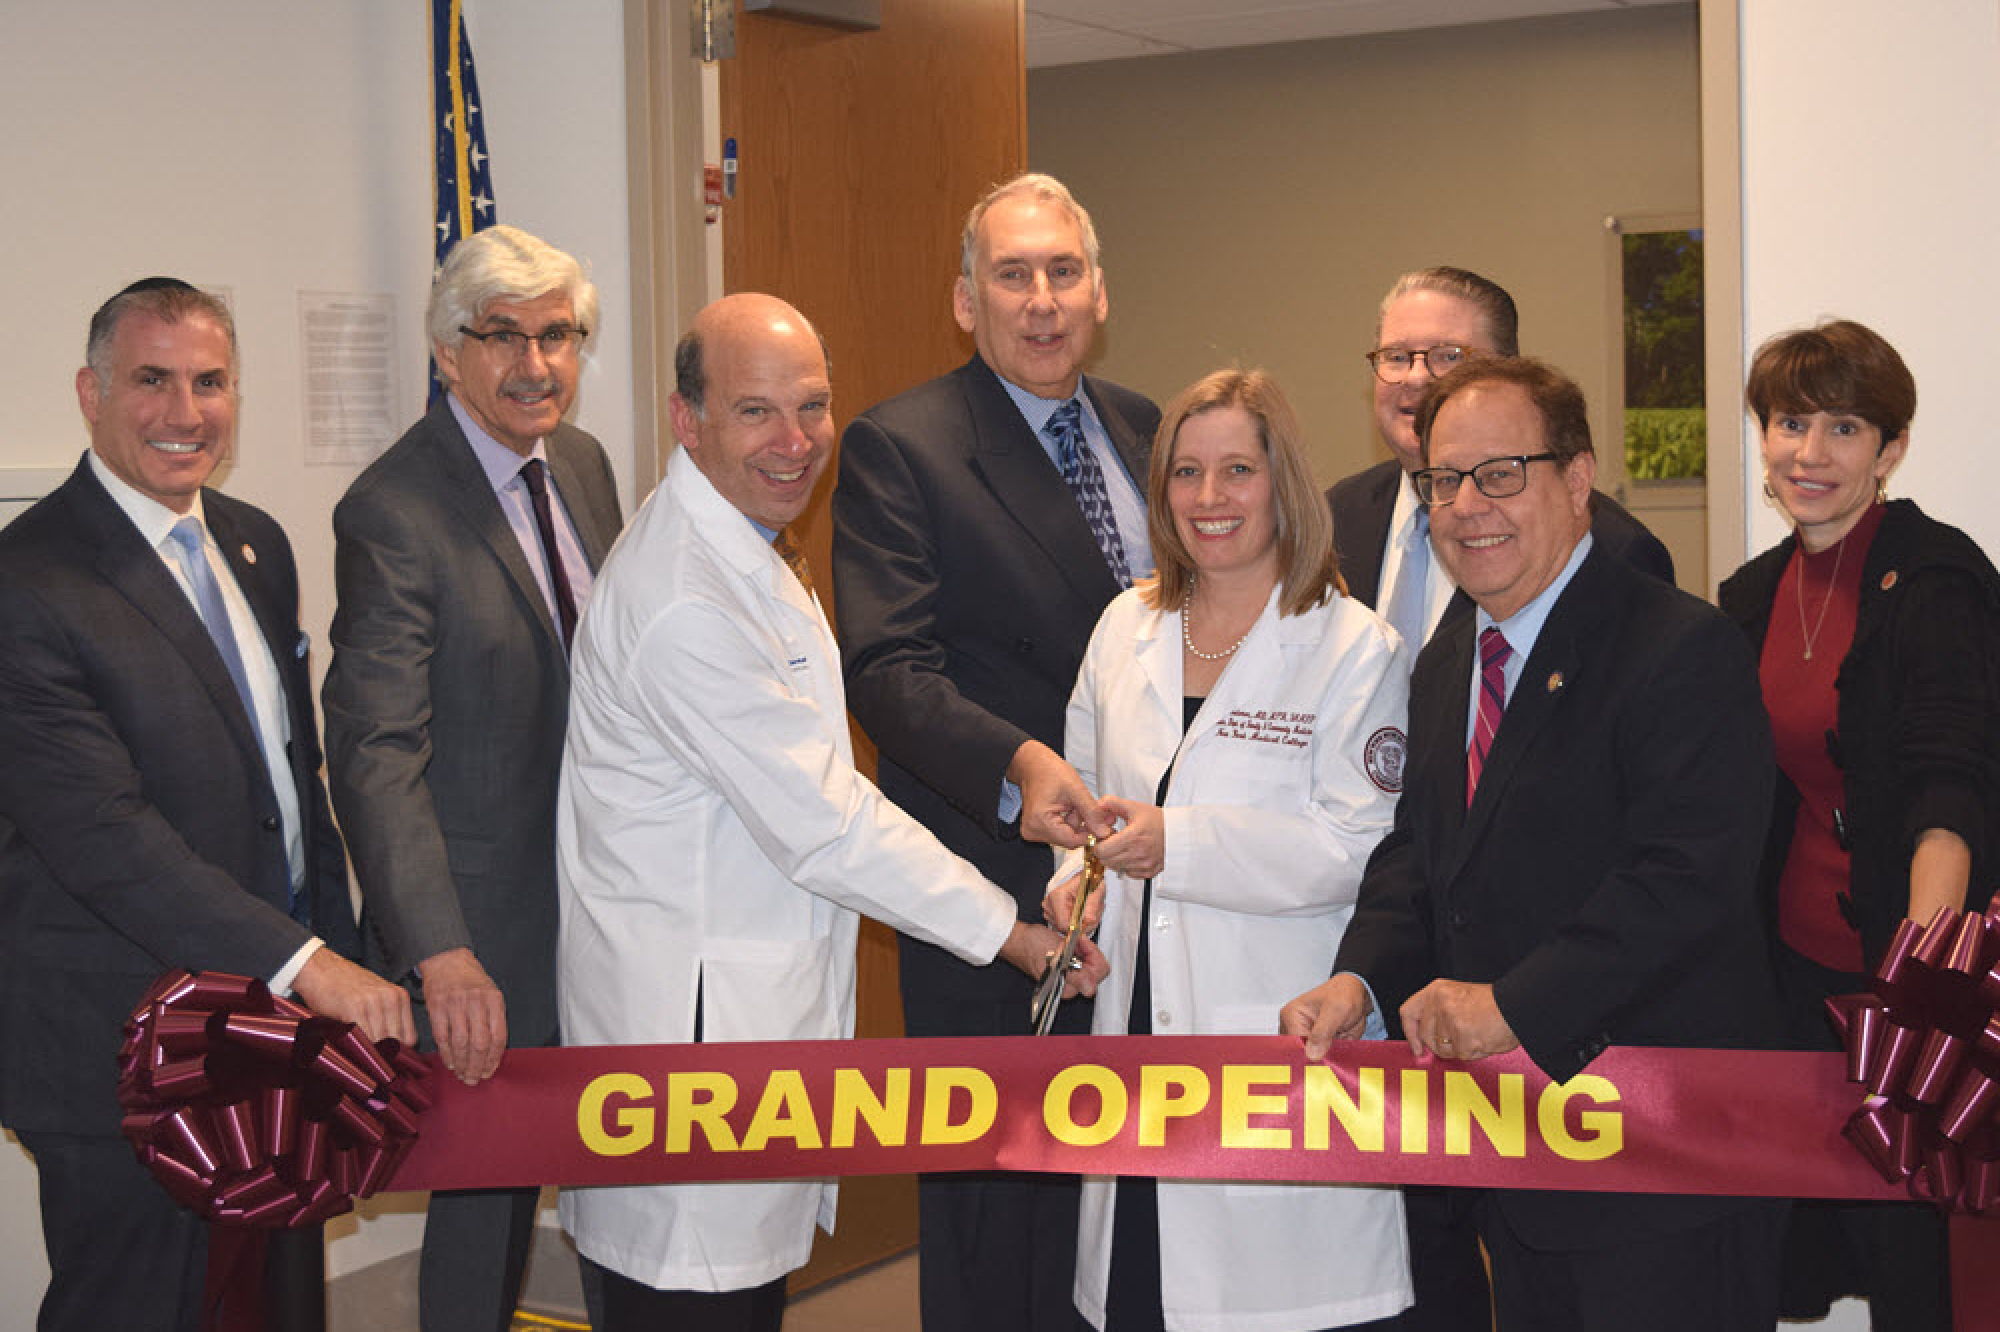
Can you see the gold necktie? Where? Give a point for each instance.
(794, 556)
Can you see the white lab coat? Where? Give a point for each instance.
(713, 835)
(1269, 820)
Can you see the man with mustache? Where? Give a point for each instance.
(464, 556)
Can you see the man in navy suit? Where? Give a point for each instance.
(967, 578)
(159, 802)
(1573, 862)
(1442, 315)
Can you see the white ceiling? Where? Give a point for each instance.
(1070, 32)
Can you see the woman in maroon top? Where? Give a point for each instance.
(1878, 631)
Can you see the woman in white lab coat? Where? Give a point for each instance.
(1243, 720)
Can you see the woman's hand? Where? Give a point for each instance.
(1138, 849)
(1061, 900)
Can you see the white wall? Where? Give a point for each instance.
(1871, 190)
(270, 149)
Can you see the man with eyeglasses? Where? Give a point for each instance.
(1573, 862)
(463, 557)
(1432, 320)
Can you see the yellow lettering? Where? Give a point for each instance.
(1168, 1091)
(783, 1111)
(700, 1098)
(887, 1116)
(1240, 1100)
(1113, 1102)
(635, 1122)
(1416, 1112)
(1505, 1125)
(982, 1103)
(1603, 1130)
(1360, 1115)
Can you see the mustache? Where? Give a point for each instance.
(539, 384)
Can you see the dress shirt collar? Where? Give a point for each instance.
(154, 520)
(500, 463)
(1037, 410)
(1408, 506)
(1524, 626)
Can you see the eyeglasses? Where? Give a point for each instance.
(1393, 364)
(1497, 478)
(553, 342)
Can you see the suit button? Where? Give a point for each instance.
(1024, 646)
(1163, 1019)
(271, 823)
(1458, 920)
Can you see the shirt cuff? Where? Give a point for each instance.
(1010, 802)
(1376, 1028)
(281, 981)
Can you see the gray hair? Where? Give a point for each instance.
(167, 299)
(504, 263)
(1043, 189)
(1495, 306)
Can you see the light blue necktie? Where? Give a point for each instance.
(1085, 480)
(1405, 607)
(187, 538)
(187, 535)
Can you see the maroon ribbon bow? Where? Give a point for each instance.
(1926, 1044)
(253, 1111)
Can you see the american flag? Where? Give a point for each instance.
(463, 190)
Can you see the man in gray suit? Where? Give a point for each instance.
(464, 555)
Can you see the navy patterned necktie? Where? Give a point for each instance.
(1085, 480)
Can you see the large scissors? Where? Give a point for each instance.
(1049, 991)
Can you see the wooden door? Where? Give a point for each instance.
(858, 156)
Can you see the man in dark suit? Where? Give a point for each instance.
(1430, 320)
(463, 556)
(1574, 855)
(967, 579)
(160, 804)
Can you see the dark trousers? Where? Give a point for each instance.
(475, 1254)
(1447, 1271)
(997, 1251)
(634, 1306)
(123, 1254)
(1720, 1276)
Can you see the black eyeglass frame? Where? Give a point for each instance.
(1426, 479)
(514, 342)
(1376, 357)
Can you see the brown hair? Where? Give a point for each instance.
(1308, 569)
(1565, 422)
(1838, 366)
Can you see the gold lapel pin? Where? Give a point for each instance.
(1888, 580)
(249, 555)
(1555, 681)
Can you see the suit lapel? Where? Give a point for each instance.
(1443, 693)
(139, 575)
(595, 529)
(1546, 677)
(471, 495)
(1361, 530)
(1008, 458)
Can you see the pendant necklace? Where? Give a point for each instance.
(1839, 553)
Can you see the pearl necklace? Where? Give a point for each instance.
(1839, 553)
(1187, 634)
